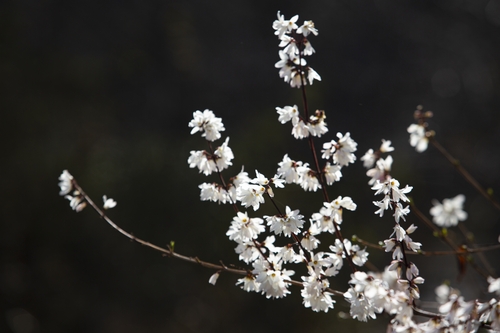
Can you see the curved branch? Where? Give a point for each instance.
(169, 252)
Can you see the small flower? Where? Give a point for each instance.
(248, 283)
(312, 75)
(386, 146)
(400, 212)
(317, 124)
(250, 195)
(314, 293)
(216, 193)
(418, 137)
(241, 178)
(108, 203)
(287, 113)
(308, 50)
(450, 212)
(288, 224)
(288, 169)
(392, 186)
(342, 151)
(368, 158)
(290, 45)
(207, 123)
(382, 168)
(66, 182)
(307, 28)
(332, 173)
(334, 208)
(400, 232)
(260, 179)
(329, 149)
(77, 201)
(245, 229)
(223, 156)
(300, 130)
(273, 280)
(213, 278)
(308, 179)
(283, 26)
(202, 160)
(309, 241)
(383, 205)
(494, 286)
(359, 256)
(442, 293)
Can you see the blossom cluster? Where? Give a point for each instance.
(419, 133)
(270, 244)
(77, 200)
(398, 301)
(269, 275)
(294, 40)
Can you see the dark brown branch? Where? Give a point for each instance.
(456, 164)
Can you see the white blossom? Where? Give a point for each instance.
(300, 130)
(418, 138)
(309, 241)
(76, 201)
(383, 205)
(494, 286)
(386, 146)
(312, 75)
(207, 123)
(247, 251)
(323, 220)
(381, 170)
(314, 293)
(248, 283)
(308, 50)
(213, 278)
(368, 296)
(332, 173)
(342, 151)
(250, 195)
(290, 45)
(283, 26)
(317, 124)
(307, 28)
(65, 182)
(308, 179)
(273, 279)
(200, 159)
(450, 212)
(287, 113)
(108, 202)
(244, 229)
(223, 156)
(334, 208)
(400, 212)
(288, 168)
(290, 223)
(369, 158)
(392, 186)
(216, 193)
(240, 178)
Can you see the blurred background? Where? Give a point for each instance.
(106, 89)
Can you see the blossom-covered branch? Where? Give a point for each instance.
(271, 245)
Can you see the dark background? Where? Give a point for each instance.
(106, 89)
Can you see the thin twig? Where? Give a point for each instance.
(456, 164)
(459, 250)
(464, 250)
